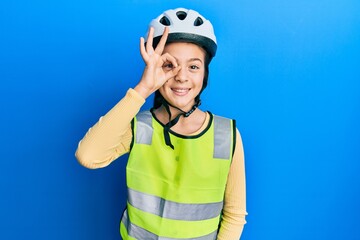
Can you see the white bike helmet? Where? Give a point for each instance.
(185, 25)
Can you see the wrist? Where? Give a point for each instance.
(143, 91)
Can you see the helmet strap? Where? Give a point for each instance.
(171, 123)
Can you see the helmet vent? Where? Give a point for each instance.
(181, 15)
(198, 22)
(165, 21)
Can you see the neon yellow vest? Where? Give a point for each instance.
(176, 193)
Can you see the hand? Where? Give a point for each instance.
(154, 75)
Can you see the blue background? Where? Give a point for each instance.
(288, 71)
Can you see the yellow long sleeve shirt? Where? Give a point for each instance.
(111, 137)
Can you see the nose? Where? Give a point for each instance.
(181, 76)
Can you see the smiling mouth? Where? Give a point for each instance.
(180, 91)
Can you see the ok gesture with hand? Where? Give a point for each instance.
(154, 75)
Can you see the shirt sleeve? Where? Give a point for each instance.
(234, 212)
(111, 136)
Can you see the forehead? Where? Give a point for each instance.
(184, 50)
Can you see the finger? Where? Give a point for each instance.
(143, 50)
(149, 43)
(166, 57)
(172, 73)
(160, 47)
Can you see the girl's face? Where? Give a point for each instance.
(181, 90)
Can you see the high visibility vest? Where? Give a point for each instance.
(176, 193)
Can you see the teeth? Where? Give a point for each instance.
(180, 90)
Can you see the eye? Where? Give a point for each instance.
(194, 67)
(168, 66)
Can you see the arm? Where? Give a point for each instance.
(234, 211)
(111, 136)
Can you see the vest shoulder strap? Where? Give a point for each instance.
(224, 137)
(144, 128)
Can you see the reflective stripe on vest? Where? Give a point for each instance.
(221, 140)
(144, 128)
(140, 233)
(222, 144)
(173, 210)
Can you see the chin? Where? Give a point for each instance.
(184, 106)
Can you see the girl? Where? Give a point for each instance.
(185, 174)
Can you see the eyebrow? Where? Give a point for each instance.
(195, 59)
(191, 60)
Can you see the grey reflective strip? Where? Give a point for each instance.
(222, 137)
(144, 130)
(173, 210)
(141, 233)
